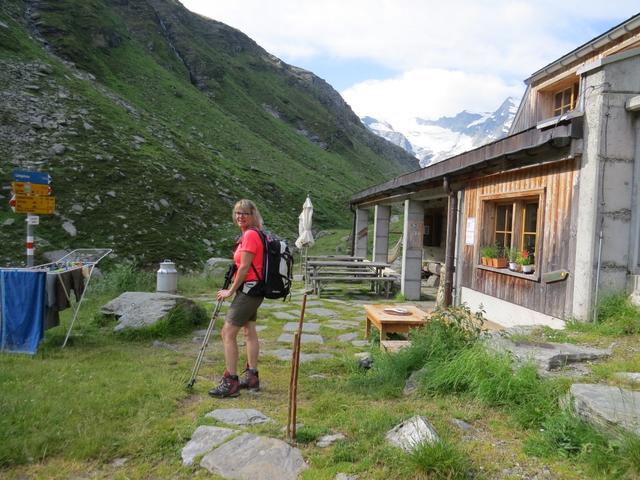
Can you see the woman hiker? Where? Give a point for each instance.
(248, 259)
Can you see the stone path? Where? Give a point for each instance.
(235, 454)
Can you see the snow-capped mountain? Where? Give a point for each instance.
(434, 140)
(386, 131)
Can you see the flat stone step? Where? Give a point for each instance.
(304, 338)
(306, 327)
(285, 355)
(250, 457)
(203, 440)
(238, 416)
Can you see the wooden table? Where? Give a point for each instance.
(390, 323)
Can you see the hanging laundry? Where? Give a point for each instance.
(60, 283)
(22, 305)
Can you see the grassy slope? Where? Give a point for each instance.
(204, 147)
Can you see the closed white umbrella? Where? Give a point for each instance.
(305, 238)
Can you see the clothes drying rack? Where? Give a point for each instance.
(79, 258)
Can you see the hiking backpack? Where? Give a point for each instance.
(277, 268)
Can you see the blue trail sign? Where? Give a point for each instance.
(31, 177)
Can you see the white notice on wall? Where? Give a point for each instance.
(471, 231)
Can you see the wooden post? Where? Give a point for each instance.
(450, 249)
(293, 381)
(292, 398)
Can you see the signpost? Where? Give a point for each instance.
(32, 195)
(30, 188)
(29, 176)
(35, 204)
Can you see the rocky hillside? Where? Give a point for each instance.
(152, 121)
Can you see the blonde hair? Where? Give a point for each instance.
(250, 207)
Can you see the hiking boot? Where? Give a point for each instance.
(250, 379)
(229, 387)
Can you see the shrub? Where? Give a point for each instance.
(618, 315)
(125, 277)
(567, 436)
(441, 460)
(447, 332)
(490, 378)
(309, 434)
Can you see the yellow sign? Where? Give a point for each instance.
(30, 188)
(35, 204)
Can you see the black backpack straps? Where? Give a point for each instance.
(264, 254)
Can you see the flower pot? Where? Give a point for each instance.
(500, 262)
(527, 268)
(485, 261)
(513, 266)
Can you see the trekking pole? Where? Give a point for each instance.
(227, 281)
(293, 382)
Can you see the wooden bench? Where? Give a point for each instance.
(385, 281)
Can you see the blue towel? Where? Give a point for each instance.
(22, 304)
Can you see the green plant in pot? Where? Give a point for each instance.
(485, 254)
(525, 260)
(500, 260)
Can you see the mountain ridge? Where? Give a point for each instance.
(432, 141)
(152, 120)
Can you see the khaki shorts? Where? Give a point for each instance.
(243, 309)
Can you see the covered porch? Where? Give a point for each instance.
(441, 213)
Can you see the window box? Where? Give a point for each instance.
(534, 277)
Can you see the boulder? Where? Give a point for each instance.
(630, 377)
(607, 407)
(252, 457)
(411, 433)
(365, 360)
(548, 356)
(143, 309)
(217, 266)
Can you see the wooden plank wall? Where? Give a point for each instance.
(554, 245)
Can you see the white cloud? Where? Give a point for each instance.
(504, 36)
(428, 93)
(446, 49)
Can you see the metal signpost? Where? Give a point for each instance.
(32, 195)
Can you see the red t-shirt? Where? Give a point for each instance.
(250, 241)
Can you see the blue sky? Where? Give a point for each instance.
(397, 59)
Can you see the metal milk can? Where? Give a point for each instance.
(167, 277)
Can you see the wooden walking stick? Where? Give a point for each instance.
(293, 382)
